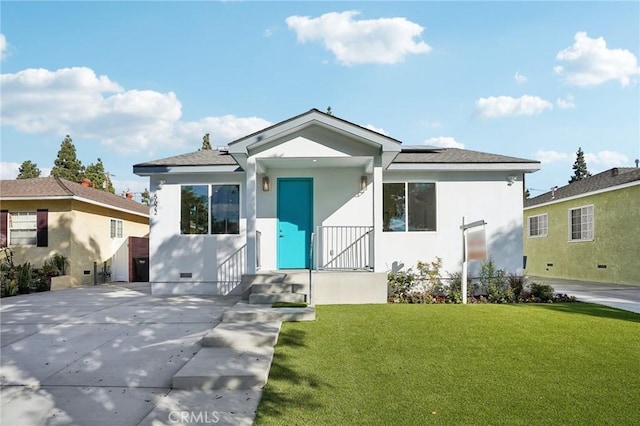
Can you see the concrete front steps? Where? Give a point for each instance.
(237, 353)
(226, 368)
(270, 287)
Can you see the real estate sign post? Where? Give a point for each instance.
(474, 247)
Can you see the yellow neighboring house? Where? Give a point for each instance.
(43, 216)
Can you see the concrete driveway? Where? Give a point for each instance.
(621, 296)
(100, 355)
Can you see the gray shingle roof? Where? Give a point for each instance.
(453, 155)
(205, 157)
(408, 155)
(46, 187)
(607, 179)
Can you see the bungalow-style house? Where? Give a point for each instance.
(43, 216)
(319, 192)
(587, 230)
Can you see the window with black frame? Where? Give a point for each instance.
(409, 207)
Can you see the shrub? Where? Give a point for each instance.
(542, 292)
(24, 277)
(494, 282)
(517, 283)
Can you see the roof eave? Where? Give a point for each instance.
(75, 198)
(146, 171)
(521, 167)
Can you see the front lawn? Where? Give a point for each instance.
(457, 364)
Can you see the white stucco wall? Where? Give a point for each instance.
(338, 201)
(474, 195)
(199, 255)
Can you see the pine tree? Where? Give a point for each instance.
(580, 170)
(146, 197)
(205, 142)
(28, 170)
(67, 165)
(99, 177)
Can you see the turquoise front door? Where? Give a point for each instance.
(295, 222)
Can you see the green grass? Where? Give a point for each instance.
(553, 364)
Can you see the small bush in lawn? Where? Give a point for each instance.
(494, 282)
(543, 292)
(517, 284)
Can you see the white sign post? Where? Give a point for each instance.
(474, 247)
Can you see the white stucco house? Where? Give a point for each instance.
(319, 192)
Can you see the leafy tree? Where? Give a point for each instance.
(67, 165)
(99, 177)
(205, 142)
(146, 197)
(580, 170)
(28, 170)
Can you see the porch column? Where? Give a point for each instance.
(251, 215)
(377, 217)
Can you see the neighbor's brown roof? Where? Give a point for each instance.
(606, 179)
(45, 187)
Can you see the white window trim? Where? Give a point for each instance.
(9, 228)
(529, 226)
(113, 237)
(593, 224)
(406, 215)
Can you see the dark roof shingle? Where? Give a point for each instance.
(205, 157)
(607, 179)
(47, 187)
(453, 155)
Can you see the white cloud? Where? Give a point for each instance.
(547, 157)
(505, 106)
(3, 46)
(600, 159)
(222, 130)
(519, 78)
(76, 101)
(566, 103)
(367, 41)
(444, 142)
(607, 159)
(589, 62)
(376, 129)
(9, 170)
(434, 124)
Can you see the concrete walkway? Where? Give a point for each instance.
(107, 355)
(621, 296)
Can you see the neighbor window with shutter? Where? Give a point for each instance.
(23, 228)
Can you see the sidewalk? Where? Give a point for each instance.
(621, 296)
(107, 355)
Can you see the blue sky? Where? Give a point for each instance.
(136, 81)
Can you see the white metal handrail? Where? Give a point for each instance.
(344, 248)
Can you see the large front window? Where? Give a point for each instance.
(409, 207)
(210, 209)
(23, 228)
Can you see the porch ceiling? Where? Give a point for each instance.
(315, 162)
